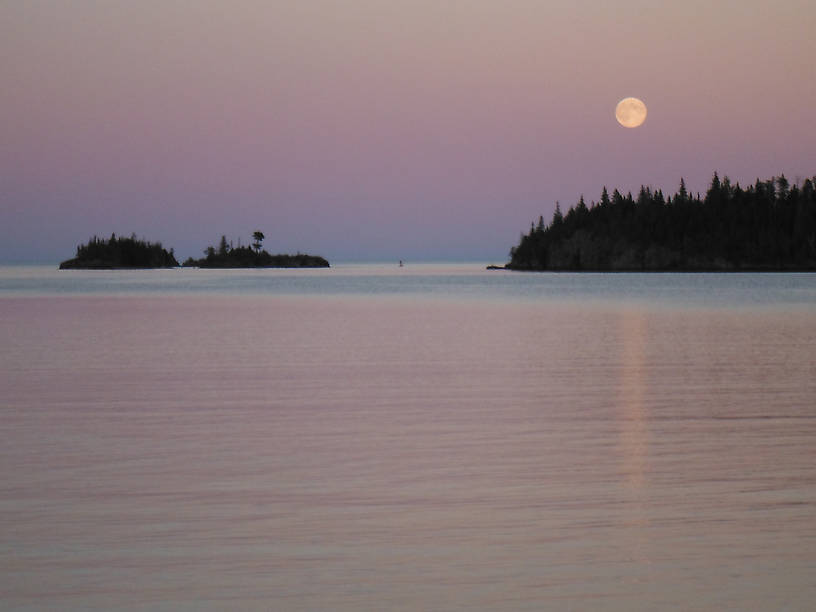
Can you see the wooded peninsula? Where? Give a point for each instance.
(132, 253)
(767, 226)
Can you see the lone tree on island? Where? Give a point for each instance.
(258, 238)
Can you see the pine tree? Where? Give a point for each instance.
(258, 238)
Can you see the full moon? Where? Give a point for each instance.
(630, 112)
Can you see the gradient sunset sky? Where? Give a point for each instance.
(381, 130)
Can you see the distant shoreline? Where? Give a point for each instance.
(660, 271)
(131, 253)
(769, 226)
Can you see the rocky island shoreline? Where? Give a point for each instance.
(132, 253)
(120, 254)
(225, 256)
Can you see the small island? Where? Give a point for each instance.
(120, 253)
(225, 256)
(768, 226)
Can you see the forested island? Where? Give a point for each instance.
(132, 253)
(225, 256)
(120, 253)
(767, 226)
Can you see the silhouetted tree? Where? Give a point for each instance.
(223, 247)
(558, 216)
(682, 194)
(782, 186)
(604, 197)
(258, 237)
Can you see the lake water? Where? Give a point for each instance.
(435, 437)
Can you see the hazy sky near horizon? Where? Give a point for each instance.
(374, 130)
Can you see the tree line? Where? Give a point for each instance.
(770, 225)
(118, 252)
(227, 256)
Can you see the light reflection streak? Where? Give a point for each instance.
(634, 433)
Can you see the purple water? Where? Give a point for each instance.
(357, 452)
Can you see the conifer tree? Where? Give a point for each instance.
(258, 238)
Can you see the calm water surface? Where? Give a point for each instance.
(435, 437)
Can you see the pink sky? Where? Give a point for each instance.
(372, 130)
